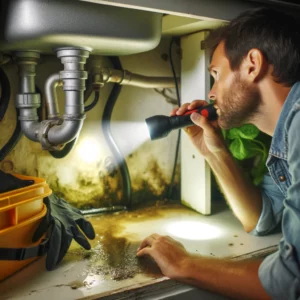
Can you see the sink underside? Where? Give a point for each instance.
(44, 25)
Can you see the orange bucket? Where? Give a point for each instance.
(39, 185)
(21, 204)
(19, 236)
(38, 182)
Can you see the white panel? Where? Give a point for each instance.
(176, 25)
(195, 172)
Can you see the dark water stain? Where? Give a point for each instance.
(113, 253)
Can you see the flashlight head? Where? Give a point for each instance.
(158, 126)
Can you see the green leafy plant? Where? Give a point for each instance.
(249, 146)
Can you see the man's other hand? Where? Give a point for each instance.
(169, 254)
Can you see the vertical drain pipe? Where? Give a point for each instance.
(73, 77)
(27, 100)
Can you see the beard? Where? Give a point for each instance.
(240, 104)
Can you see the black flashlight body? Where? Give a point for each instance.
(160, 126)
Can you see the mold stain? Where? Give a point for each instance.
(89, 192)
(102, 187)
(152, 184)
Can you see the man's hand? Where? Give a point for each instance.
(206, 136)
(169, 254)
(234, 279)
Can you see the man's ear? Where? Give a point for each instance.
(254, 66)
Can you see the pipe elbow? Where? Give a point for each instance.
(65, 132)
(31, 130)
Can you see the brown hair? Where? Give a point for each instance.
(275, 34)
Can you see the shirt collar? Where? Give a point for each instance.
(279, 144)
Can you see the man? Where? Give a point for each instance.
(256, 68)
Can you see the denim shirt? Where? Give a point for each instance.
(279, 273)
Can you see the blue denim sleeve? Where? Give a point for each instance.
(280, 272)
(272, 207)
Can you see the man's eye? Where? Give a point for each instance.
(215, 74)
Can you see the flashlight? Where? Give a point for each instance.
(160, 126)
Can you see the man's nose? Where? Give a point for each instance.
(212, 95)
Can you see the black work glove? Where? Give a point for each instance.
(8, 182)
(61, 222)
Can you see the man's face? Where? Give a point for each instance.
(236, 100)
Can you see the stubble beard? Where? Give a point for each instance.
(240, 105)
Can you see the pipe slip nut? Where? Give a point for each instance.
(28, 100)
(73, 75)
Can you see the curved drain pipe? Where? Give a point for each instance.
(55, 131)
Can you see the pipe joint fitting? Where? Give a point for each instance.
(69, 53)
(73, 80)
(74, 85)
(126, 77)
(27, 59)
(74, 117)
(45, 126)
(73, 74)
(28, 101)
(97, 81)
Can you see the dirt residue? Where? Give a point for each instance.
(113, 253)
